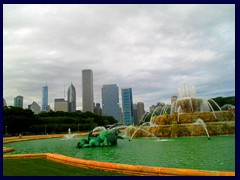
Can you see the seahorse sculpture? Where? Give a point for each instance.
(105, 138)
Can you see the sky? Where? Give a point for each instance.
(152, 48)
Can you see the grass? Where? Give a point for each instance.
(43, 167)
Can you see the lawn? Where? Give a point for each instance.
(43, 167)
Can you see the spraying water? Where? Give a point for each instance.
(140, 128)
(199, 121)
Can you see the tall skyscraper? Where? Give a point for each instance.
(44, 98)
(127, 105)
(87, 90)
(110, 101)
(140, 111)
(18, 101)
(71, 98)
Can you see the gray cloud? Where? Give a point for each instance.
(152, 48)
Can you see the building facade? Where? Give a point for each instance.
(18, 101)
(87, 90)
(110, 101)
(135, 117)
(98, 109)
(34, 107)
(71, 98)
(4, 102)
(44, 98)
(140, 111)
(127, 105)
(60, 105)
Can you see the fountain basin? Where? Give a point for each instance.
(185, 153)
(122, 168)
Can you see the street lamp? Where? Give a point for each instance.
(78, 128)
(45, 129)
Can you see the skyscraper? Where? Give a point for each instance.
(87, 90)
(110, 101)
(127, 105)
(140, 111)
(44, 98)
(71, 98)
(18, 101)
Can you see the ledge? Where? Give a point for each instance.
(136, 170)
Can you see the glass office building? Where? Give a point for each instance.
(18, 101)
(71, 98)
(44, 98)
(127, 105)
(110, 101)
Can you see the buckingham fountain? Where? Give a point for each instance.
(187, 116)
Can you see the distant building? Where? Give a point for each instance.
(18, 101)
(87, 90)
(97, 109)
(34, 107)
(158, 105)
(71, 98)
(60, 105)
(4, 102)
(44, 98)
(135, 116)
(127, 106)
(48, 108)
(140, 111)
(173, 99)
(110, 101)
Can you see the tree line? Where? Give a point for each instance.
(18, 120)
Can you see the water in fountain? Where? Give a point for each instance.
(199, 121)
(144, 130)
(189, 103)
(69, 135)
(99, 129)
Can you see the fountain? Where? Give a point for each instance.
(69, 135)
(186, 112)
(200, 121)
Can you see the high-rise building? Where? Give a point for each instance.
(71, 98)
(140, 111)
(110, 101)
(18, 101)
(44, 98)
(34, 107)
(135, 117)
(87, 90)
(60, 105)
(127, 105)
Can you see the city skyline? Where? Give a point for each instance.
(153, 49)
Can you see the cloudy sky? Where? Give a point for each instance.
(154, 49)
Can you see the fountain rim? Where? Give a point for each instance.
(116, 167)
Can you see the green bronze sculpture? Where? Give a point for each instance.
(105, 138)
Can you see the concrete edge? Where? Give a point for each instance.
(128, 169)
